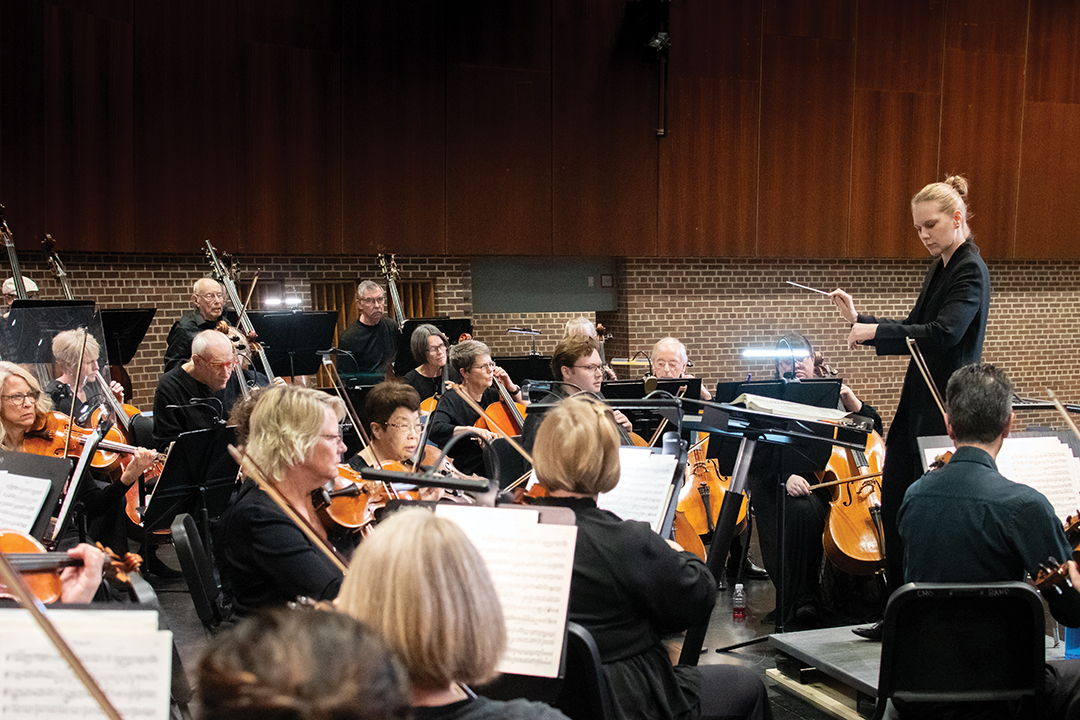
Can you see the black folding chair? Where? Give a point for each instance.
(960, 643)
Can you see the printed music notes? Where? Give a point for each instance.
(644, 489)
(530, 564)
(21, 498)
(124, 650)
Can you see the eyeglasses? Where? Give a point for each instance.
(21, 398)
(373, 301)
(437, 348)
(211, 296)
(227, 365)
(591, 367)
(336, 438)
(489, 366)
(416, 427)
(667, 364)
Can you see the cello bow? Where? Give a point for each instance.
(920, 362)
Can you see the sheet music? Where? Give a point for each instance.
(531, 564)
(787, 408)
(645, 486)
(132, 666)
(21, 498)
(1046, 464)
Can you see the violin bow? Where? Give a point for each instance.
(663, 423)
(1064, 413)
(248, 466)
(920, 362)
(26, 599)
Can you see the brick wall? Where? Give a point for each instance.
(717, 307)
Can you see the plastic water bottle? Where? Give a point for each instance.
(738, 603)
(1072, 643)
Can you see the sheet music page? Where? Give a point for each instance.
(21, 498)
(531, 564)
(760, 403)
(133, 668)
(644, 486)
(1046, 464)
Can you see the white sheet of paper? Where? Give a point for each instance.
(644, 486)
(530, 564)
(21, 498)
(133, 668)
(1046, 464)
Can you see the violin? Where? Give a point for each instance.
(40, 569)
(56, 436)
(351, 505)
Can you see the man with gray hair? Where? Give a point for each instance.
(669, 361)
(208, 297)
(373, 339)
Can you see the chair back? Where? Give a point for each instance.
(142, 429)
(946, 642)
(198, 571)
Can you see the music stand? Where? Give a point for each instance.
(30, 326)
(645, 423)
(452, 328)
(198, 478)
(292, 339)
(55, 470)
(520, 367)
(124, 331)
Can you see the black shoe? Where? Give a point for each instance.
(753, 572)
(808, 614)
(155, 567)
(770, 617)
(871, 632)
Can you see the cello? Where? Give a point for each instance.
(854, 538)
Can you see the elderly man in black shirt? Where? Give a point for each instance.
(190, 396)
(968, 523)
(373, 339)
(209, 300)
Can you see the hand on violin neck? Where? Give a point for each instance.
(80, 584)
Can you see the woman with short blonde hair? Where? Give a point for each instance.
(68, 349)
(630, 586)
(420, 583)
(294, 439)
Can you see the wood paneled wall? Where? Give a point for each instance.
(790, 128)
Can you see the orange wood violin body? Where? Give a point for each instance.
(852, 535)
(352, 502)
(40, 569)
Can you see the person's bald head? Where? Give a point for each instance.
(209, 298)
(212, 359)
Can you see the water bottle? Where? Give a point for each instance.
(738, 603)
(1072, 643)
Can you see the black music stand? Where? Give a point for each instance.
(55, 470)
(198, 478)
(293, 339)
(522, 367)
(645, 424)
(124, 331)
(750, 428)
(27, 331)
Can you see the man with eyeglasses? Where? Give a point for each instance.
(209, 300)
(190, 396)
(669, 361)
(373, 339)
(11, 296)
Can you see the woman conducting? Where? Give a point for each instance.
(423, 587)
(630, 586)
(294, 439)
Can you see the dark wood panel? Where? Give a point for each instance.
(1054, 52)
(805, 156)
(708, 170)
(990, 26)
(498, 128)
(899, 45)
(980, 138)
(394, 144)
(187, 132)
(290, 176)
(831, 19)
(1047, 211)
(22, 121)
(89, 130)
(604, 130)
(719, 40)
(311, 24)
(894, 153)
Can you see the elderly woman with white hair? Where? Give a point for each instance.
(294, 439)
(76, 354)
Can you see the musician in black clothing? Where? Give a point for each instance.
(189, 397)
(68, 348)
(373, 339)
(209, 300)
(949, 324)
(429, 348)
